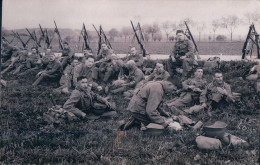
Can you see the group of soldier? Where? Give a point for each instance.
(91, 80)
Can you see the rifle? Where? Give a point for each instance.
(99, 39)
(85, 36)
(58, 33)
(139, 26)
(138, 40)
(3, 38)
(33, 38)
(106, 40)
(20, 39)
(192, 39)
(48, 40)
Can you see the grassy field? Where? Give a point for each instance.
(25, 138)
(208, 48)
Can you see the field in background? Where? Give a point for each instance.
(206, 48)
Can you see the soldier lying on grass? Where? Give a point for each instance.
(83, 102)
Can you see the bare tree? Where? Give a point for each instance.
(230, 23)
(252, 17)
(167, 29)
(157, 36)
(113, 33)
(152, 29)
(215, 25)
(200, 27)
(189, 21)
(126, 32)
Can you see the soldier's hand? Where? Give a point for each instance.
(182, 57)
(191, 87)
(204, 105)
(222, 91)
(197, 90)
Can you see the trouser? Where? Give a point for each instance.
(109, 74)
(135, 120)
(185, 100)
(187, 65)
(44, 76)
(65, 81)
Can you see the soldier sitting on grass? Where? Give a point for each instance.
(158, 74)
(83, 102)
(216, 94)
(192, 89)
(130, 82)
(52, 71)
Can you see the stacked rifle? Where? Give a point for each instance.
(252, 40)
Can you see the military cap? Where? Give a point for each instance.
(65, 42)
(179, 31)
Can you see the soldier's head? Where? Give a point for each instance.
(180, 35)
(48, 50)
(148, 56)
(104, 46)
(130, 64)
(218, 77)
(34, 50)
(133, 51)
(52, 57)
(168, 87)
(159, 67)
(75, 62)
(89, 62)
(87, 52)
(83, 82)
(113, 56)
(66, 45)
(172, 58)
(198, 73)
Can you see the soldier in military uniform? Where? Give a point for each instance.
(158, 74)
(67, 55)
(86, 69)
(52, 71)
(217, 93)
(33, 59)
(84, 102)
(183, 52)
(7, 51)
(148, 65)
(104, 53)
(132, 81)
(137, 58)
(144, 105)
(192, 88)
(110, 68)
(67, 77)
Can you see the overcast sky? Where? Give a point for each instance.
(117, 13)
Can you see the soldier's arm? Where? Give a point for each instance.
(55, 68)
(229, 95)
(190, 53)
(166, 76)
(138, 77)
(72, 101)
(203, 95)
(76, 73)
(153, 102)
(149, 78)
(140, 60)
(186, 84)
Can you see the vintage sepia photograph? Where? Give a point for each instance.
(130, 82)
